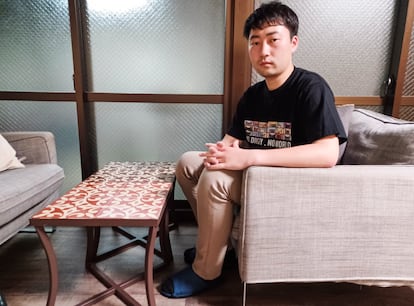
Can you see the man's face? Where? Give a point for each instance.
(271, 49)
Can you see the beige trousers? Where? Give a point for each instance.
(211, 195)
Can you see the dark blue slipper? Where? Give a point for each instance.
(186, 283)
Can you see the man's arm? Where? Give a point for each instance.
(226, 154)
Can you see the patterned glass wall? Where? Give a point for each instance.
(36, 55)
(35, 46)
(409, 72)
(407, 112)
(56, 117)
(348, 42)
(153, 132)
(156, 46)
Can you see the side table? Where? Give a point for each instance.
(122, 194)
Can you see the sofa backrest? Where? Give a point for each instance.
(378, 139)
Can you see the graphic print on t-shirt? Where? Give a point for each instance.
(269, 134)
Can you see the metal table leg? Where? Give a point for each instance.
(52, 262)
(149, 272)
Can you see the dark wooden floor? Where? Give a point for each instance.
(24, 277)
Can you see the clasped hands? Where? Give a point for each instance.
(221, 156)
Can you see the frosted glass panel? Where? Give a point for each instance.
(35, 46)
(153, 132)
(348, 42)
(409, 73)
(156, 46)
(56, 117)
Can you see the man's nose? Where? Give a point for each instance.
(265, 50)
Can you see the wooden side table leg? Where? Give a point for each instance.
(52, 262)
(149, 269)
(164, 230)
(165, 244)
(93, 236)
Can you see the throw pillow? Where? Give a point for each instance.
(345, 113)
(8, 159)
(378, 139)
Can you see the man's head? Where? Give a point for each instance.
(272, 13)
(271, 31)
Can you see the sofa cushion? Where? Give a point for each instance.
(21, 189)
(345, 113)
(378, 139)
(8, 159)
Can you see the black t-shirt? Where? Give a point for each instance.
(299, 112)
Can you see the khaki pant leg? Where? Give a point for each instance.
(217, 191)
(188, 171)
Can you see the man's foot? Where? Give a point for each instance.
(186, 283)
(230, 260)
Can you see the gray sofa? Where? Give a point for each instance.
(349, 223)
(26, 190)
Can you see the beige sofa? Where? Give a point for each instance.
(26, 190)
(350, 223)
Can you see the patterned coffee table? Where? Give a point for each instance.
(122, 194)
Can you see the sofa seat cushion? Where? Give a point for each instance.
(25, 187)
(378, 139)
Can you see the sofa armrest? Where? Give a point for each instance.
(37, 147)
(325, 223)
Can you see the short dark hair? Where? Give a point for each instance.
(272, 13)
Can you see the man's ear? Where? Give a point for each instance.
(294, 43)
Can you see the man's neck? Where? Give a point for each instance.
(276, 81)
